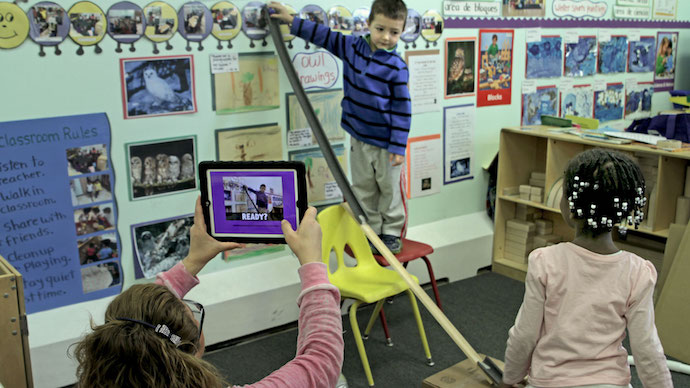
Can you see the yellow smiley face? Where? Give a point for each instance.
(14, 25)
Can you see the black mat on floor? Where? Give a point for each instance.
(483, 308)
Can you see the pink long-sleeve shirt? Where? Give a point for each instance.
(320, 345)
(572, 321)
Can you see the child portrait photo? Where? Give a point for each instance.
(157, 86)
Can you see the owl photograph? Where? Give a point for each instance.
(160, 244)
(158, 86)
(160, 167)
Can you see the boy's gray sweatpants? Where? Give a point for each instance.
(376, 183)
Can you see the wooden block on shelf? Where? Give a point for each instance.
(518, 248)
(526, 226)
(516, 258)
(537, 182)
(524, 212)
(546, 240)
(682, 210)
(543, 223)
(535, 198)
(520, 238)
(525, 189)
(536, 191)
(514, 190)
(537, 175)
(524, 196)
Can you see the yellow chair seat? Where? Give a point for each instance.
(370, 286)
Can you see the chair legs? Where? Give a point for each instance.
(434, 287)
(420, 326)
(359, 342)
(372, 319)
(384, 324)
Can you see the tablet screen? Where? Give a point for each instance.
(251, 203)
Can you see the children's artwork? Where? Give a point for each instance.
(100, 276)
(413, 28)
(91, 189)
(460, 67)
(608, 104)
(322, 188)
(360, 18)
(15, 26)
(581, 57)
(638, 100)
(613, 55)
(227, 22)
(641, 55)
(194, 22)
(253, 88)
(432, 26)
(49, 25)
(87, 159)
(340, 20)
(253, 143)
(88, 26)
(544, 58)
(158, 86)
(253, 25)
(161, 24)
(665, 66)
(328, 111)
(126, 23)
(159, 245)
(543, 102)
(531, 8)
(495, 67)
(161, 167)
(577, 101)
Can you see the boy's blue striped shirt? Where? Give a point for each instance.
(376, 107)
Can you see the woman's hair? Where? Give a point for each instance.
(122, 353)
(604, 188)
(392, 9)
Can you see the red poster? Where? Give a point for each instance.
(495, 81)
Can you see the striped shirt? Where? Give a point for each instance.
(376, 107)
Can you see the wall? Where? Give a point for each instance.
(34, 87)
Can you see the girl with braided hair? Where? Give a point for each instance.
(581, 296)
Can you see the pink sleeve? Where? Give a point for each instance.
(320, 343)
(523, 336)
(647, 351)
(178, 280)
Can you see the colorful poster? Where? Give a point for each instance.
(529, 8)
(322, 189)
(665, 65)
(458, 142)
(56, 197)
(544, 101)
(638, 100)
(609, 103)
(613, 55)
(159, 245)
(157, 86)
(495, 79)
(424, 171)
(252, 143)
(255, 87)
(328, 111)
(425, 80)
(544, 58)
(577, 101)
(460, 67)
(581, 57)
(641, 55)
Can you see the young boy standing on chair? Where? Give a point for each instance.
(376, 109)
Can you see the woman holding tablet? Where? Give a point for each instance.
(153, 338)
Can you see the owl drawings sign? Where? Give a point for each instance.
(157, 86)
(160, 167)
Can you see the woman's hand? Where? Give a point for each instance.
(281, 13)
(203, 247)
(305, 243)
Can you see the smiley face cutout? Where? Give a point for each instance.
(14, 25)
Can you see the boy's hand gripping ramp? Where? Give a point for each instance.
(494, 375)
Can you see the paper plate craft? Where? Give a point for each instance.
(227, 22)
(48, 25)
(194, 23)
(14, 25)
(314, 13)
(285, 28)
(613, 55)
(413, 28)
(544, 58)
(641, 55)
(360, 18)
(432, 26)
(253, 24)
(126, 24)
(340, 20)
(87, 25)
(161, 24)
(581, 57)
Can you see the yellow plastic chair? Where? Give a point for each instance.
(367, 282)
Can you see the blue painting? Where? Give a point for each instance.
(641, 56)
(543, 102)
(638, 101)
(608, 104)
(613, 55)
(545, 58)
(577, 102)
(581, 57)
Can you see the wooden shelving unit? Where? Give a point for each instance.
(522, 152)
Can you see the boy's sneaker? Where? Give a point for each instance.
(393, 243)
(374, 250)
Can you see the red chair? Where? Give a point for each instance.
(411, 250)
